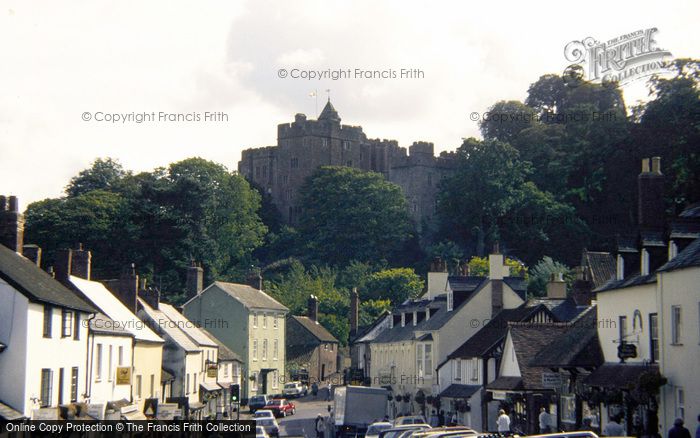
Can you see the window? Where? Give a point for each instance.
(568, 409)
(675, 325)
(66, 323)
(325, 142)
(254, 385)
(458, 370)
(98, 363)
(76, 326)
(225, 368)
(348, 163)
(294, 163)
(264, 349)
(120, 356)
(680, 403)
(275, 379)
(187, 384)
(654, 337)
(275, 324)
(424, 360)
(236, 372)
(153, 384)
(255, 320)
(475, 368)
(346, 145)
(46, 387)
(48, 314)
(275, 349)
(74, 384)
(109, 365)
(264, 320)
(255, 349)
(194, 383)
(138, 386)
(61, 384)
(623, 329)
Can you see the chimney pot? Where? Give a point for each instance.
(33, 253)
(645, 165)
(656, 165)
(64, 265)
(312, 308)
(81, 263)
(195, 280)
(11, 225)
(14, 205)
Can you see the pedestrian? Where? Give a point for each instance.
(544, 420)
(320, 426)
(587, 424)
(441, 418)
(614, 428)
(503, 422)
(330, 390)
(697, 429)
(314, 389)
(434, 419)
(678, 430)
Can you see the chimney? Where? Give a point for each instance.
(150, 296)
(11, 224)
(312, 308)
(496, 277)
(63, 265)
(354, 311)
(82, 262)
(556, 288)
(254, 279)
(582, 289)
(651, 195)
(33, 253)
(195, 280)
(126, 288)
(437, 278)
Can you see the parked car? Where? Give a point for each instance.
(281, 407)
(257, 402)
(405, 429)
(260, 432)
(295, 389)
(375, 429)
(450, 431)
(263, 413)
(409, 419)
(269, 425)
(579, 434)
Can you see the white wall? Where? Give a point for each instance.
(509, 361)
(105, 389)
(13, 333)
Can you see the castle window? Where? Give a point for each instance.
(346, 145)
(349, 163)
(264, 171)
(294, 163)
(325, 142)
(257, 171)
(430, 179)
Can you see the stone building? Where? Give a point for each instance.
(304, 145)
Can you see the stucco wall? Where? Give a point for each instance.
(14, 329)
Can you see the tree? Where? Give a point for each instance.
(480, 266)
(350, 215)
(506, 120)
(103, 174)
(542, 273)
(396, 285)
(370, 310)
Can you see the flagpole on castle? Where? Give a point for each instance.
(315, 95)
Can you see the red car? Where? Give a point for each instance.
(281, 407)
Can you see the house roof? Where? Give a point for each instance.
(518, 284)
(8, 413)
(167, 328)
(528, 340)
(506, 383)
(689, 257)
(368, 333)
(29, 280)
(685, 228)
(315, 328)
(329, 112)
(439, 318)
(250, 297)
(492, 334)
(692, 211)
(618, 375)
(113, 308)
(166, 375)
(103, 324)
(299, 354)
(188, 327)
(601, 266)
(456, 390)
(225, 353)
(465, 283)
(632, 280)
(578, 347)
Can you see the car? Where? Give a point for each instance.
(295, 389)
(399, 431)
(281, 407)
(269, 425)
(257, 402)
(375, 429)
(263, 413)
(449, 431)
(260, 432)
(579, 434)
(409, 419)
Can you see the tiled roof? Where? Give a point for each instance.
(186, 326)
(492, 334)
(506, 383)
(164, 325)
(618, 375)
(528, 340)
(632, 280)
(9, 414)
(103, 324)
(28, 279)
(111, 306)
(685, 228)
(601, 266)
(225, 353)
(518, 284)
(563, 309)
(465, 283)
(687, 258)
(368, 333)
(456, 390)
(692, 210)
(249, 297)
(578, 347)
(315, 328)
(438, 319)
(299, 354)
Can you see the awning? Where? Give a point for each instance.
(507, 383)
(7, 413)
(196, 406)
(210, 386)
(460, 391)
(135, 415)
(225, 385)
(619, 375)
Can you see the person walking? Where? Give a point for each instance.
(320, 426)
(697, 429)
(544, 420)
(614, 428)
(678, 430)
(503, 423)
(330, 391)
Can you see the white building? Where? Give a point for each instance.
(43, 338)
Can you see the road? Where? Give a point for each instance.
(303, 422)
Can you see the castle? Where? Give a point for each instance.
(304, 145)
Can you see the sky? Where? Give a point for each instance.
(67, 66)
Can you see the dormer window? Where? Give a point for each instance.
(415, 317)
(403, 320)
(620, 267)
(645, 262)
(672, 250)
(450, 300)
